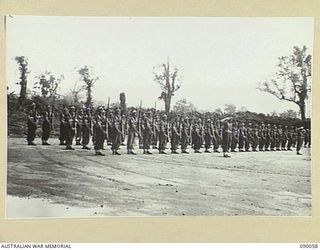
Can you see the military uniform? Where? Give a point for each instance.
(46, 129)
(255, 139)
(175, 138)
(300, 137)
(146, 135)
(32, 125)
(234, 139)
(242, 137)
(184, 137)
(226, 137)
(99, 135)
(116, 135)
(163, 135)
(196, 138)
(86, 129)
(207, 136)
(132, 131)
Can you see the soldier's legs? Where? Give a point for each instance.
(45, 136)
(31, 135)
(299, 144)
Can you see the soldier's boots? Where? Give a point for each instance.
(100, 154)
(86, 147)
(184, 152)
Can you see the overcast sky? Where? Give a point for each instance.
(221, 60)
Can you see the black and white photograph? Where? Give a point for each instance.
(158, 116)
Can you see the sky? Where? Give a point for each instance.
(220, 60)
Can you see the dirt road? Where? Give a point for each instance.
(48, 181)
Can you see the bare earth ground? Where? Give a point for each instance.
(48, 181)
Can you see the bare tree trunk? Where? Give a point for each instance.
(23, 87)
(302, 107)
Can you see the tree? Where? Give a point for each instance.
(87, 76)
(23, 68)
(230, 108)
(169, 83)
(123, 104)
(48, 84)
(292, 80)
(289, 114)
(183, 106)
(218, 111)
(75, 94)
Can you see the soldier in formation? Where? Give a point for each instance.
(154, 130)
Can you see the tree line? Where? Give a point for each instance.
(290, 82)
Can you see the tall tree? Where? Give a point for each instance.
(87, 76)
(169, 82)
(23, 68)
(292, 80)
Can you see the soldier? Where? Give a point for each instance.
(207, 136)
(216, 139)
(300, 137)
(307, 139)
(196, 138)
(234, 137)
(273, 138)
(268, 137)
(247, 138)
(175, 138)
(70, 128)
(284, 138)
(262, 137)
(289, 137)
(242, 137)
(99, 135)
(155, 130)
(32, 124)
(116, 133)
(86, 128)
(46, 128)
(146, 133)
(132, 131)
(79, 116)
(255, 138)
(184, 136)
(294, 136)
(226, 136)
(163, 135)
(63, 126)
(123, 128)
(278, 135)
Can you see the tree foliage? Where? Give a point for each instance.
(23, 68)
(167, 77)
(87, 76)
(292, 80)
(230, 108)
(48, 84)
(183, 106)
